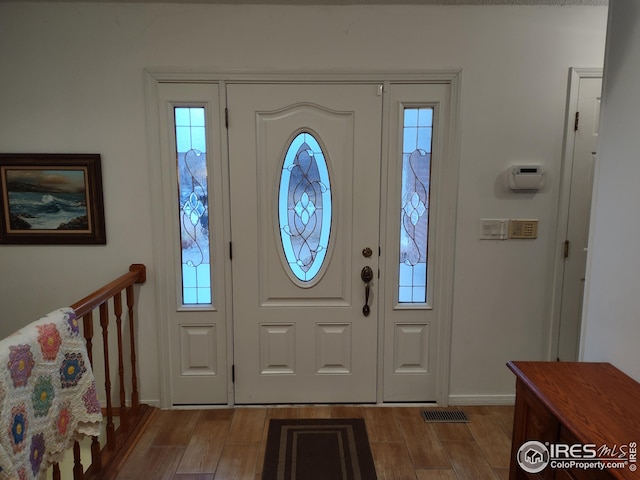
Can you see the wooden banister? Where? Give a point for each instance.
(137, 274)
(105, 460)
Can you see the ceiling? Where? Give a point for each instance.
(353, 2)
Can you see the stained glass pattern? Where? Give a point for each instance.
(304, 207)
(193, 205)
(414, 210)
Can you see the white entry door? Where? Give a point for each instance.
(304, 162)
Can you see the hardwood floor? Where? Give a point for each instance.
(228, 444)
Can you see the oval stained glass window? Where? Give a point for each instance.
(304, 207)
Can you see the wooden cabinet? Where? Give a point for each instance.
(575, 403)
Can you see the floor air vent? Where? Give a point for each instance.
(451, 416)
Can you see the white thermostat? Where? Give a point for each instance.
(525, 177)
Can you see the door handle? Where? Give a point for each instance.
(367, 275)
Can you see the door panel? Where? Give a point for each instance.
(278, 285)
(197, 345)
(294, 340)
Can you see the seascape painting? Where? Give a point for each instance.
(51, 199)
(47, 199)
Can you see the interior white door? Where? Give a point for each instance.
(300, 332)
(585, 143)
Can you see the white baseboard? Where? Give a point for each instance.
(454, 400)
(151, 403)
(482, 399)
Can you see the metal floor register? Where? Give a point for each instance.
(451, 416)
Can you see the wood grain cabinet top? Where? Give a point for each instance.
(593, 403)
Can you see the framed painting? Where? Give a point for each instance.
(51, 199)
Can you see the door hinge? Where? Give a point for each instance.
(565, 250)
(576, 122)
(230, 250)
(226, 117)
(233, 374)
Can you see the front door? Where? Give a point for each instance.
(305, 248)
(305, 181)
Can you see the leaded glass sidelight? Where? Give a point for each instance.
(304, 207)
(414, 209)
(191, 147)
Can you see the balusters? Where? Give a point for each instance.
(96, 455)
(101, 460)
(117, 310)
(78, 471)
(87, 323)
(135, 402)
(104, 324)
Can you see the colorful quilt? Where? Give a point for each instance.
(47, 395)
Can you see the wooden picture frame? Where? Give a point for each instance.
(51, 199)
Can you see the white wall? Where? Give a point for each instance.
(612, 322)
(71, 81)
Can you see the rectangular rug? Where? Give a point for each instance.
(318, 449)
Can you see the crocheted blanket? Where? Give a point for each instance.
(47, 395)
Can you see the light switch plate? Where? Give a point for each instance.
(494, 228)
